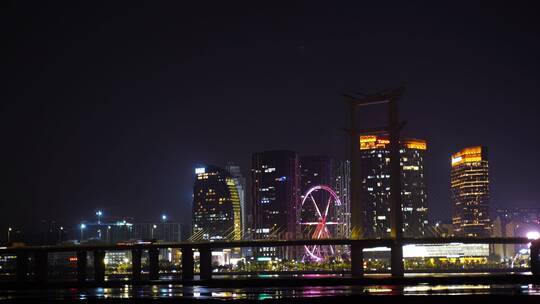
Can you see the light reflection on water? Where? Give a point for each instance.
(200, 292)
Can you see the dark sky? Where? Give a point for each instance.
(112, 105)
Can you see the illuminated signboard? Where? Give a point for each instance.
(369, 142)
(452, 250)
(200, 170)
(416, 144)
(467, 155)
(264, 259)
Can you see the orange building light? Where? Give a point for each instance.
(369, 142)
(467, 155)
(416, 144)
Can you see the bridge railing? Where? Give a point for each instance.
(40, 265)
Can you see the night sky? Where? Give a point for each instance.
(112, 106)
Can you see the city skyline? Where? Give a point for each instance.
(309, 171)
(365, 144)
(265, 151)
(125, 146)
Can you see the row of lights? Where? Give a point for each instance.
(99, 215)
(10, 229)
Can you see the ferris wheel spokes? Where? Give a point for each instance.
(321, 221)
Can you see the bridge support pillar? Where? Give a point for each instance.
(206, 263)
(535, 258)
(396, 259)
(357, 260)
(41, 266)
(187, 263)
(136, 264)
(81, 266)
(99, 266)
(153, 256)
(22, 266)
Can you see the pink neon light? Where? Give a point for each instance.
(321, 229)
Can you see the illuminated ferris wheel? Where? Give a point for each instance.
(320, 220)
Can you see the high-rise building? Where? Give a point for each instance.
(314, 170)
(216, 205)
(275, 194)
(470, 192)
(375, 188)
(341, 184)
(240, 182)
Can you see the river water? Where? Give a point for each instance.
(171, 291)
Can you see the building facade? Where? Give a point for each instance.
(314, 170)
(275, 197)
(216, 205)
(341, 184)
(470, 192)
(375, 186)
(240, 182)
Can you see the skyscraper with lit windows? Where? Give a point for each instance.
(470, 192)
(216, 205)
(275, 197)
(240, 182)
(375, 188)
(341, 184)
(314, 170)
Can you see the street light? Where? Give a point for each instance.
(60, 234)
(154, 226)
(108, 229)
(164, 217)
(83, 226)
(99, 213)
(9, 234)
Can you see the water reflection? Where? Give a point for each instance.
(259, 293)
